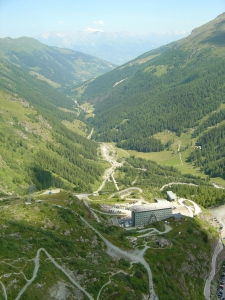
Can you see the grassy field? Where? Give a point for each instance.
(219, 181)
(176, 155)
(77, 126)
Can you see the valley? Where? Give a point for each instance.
(90, 155)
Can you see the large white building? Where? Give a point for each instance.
(145, 214)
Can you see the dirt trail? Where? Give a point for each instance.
(172, 183)
(179, 153)
(89, 136)
(134, 256)
(109, 282)
(36, 268)
(4, 290)
(218, 186)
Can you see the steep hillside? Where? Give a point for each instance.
(35, 146)
(40, 93)
(172, 88)
(58, 67)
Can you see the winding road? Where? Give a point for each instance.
(108, 154)
(219, 247)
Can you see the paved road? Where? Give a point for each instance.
(218, 248)
(219, 213)
(195, 211)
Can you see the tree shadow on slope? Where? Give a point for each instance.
(217, 39)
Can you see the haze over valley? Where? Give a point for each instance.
(115, 47)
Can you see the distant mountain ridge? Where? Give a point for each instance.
(116, 47)
(58, 67)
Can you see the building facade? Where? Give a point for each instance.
(145, 214)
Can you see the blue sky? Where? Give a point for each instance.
(30, 18)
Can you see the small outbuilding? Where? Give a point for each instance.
(171, 196)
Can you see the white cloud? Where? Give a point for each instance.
(91, 30)
(60, 22)
(99, 22)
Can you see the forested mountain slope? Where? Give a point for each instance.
(171, 88)
(58, 67)
(35, 145)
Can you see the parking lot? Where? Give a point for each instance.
(219, 220)
(180, 208)
(219, 214)
(221, 293)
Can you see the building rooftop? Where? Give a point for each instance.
(171, 195)
(152, 206)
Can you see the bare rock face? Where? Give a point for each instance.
(162, 242)
(62, 290)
